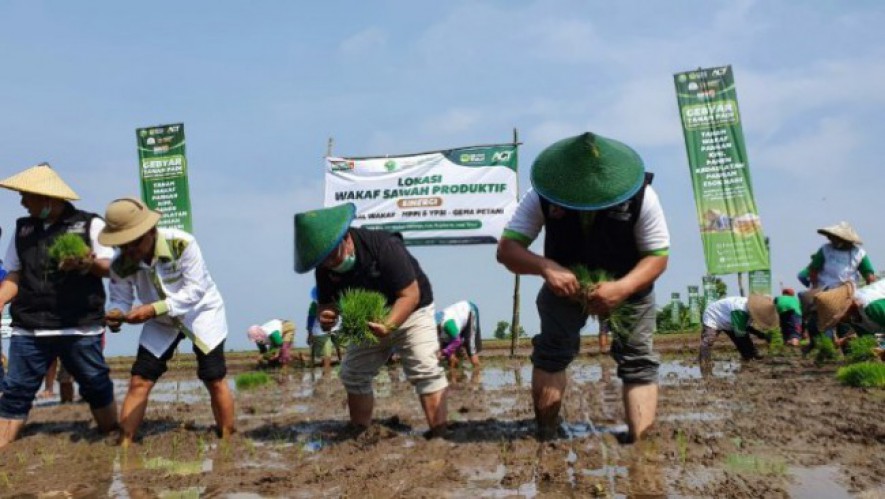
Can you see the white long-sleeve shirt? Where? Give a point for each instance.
(178, 285)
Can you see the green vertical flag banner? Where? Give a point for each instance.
(710, 292)
(731, 230)
(162, 168)
(675, 307)
(760, 282)
(694, 306)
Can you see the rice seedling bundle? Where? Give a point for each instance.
(861, 349)
(826, 350)
(68, 246)
(249, 380)
(621, 318)
(357, 308)
(863, 374)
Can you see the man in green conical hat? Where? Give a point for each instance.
(344, 257)
(593, 198)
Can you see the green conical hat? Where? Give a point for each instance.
(318, 232)
(587, 172)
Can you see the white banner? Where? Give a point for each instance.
(460, 196)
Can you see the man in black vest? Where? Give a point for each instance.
(593, 199)
(57, 307)
(346, 257)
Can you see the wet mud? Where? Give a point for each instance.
(779, 427)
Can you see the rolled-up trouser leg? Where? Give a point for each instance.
(708, 338)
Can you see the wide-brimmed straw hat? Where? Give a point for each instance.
(126, 219)
(318, 233)
(763, 314)
(842, 230)
(587, 172)
(832, 304)
(41, 180)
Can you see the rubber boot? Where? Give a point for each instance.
(66, 391)
(9, 430)
(106, 418)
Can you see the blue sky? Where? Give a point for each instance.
(260, 86)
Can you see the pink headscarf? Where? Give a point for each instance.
(256, 334)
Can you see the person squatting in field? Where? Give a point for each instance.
(458, 330)
(57, 307)
(343, 257)
(594, 200)
(164, 269)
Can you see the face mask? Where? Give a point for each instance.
(346, 264)
(44, 212)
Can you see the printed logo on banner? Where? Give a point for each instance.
(502, 156)
(390, 165)
(340, 165)
(473, 158)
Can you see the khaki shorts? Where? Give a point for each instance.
(321, 345)
(416, 343)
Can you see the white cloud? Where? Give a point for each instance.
(368, 41)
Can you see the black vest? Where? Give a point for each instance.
(601, 239)
(47, 297)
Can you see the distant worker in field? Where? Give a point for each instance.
(164, 270)
(841, 259)
(738, 317)
(458, 330)
(863, 308)
(789, 311)
(56, 300)
(594, 200)
(347, 257)
(321, 342)
(274, 340)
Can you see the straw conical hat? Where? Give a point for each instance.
(842, 230)
(41, 180)
(763, 314)
(832, 304)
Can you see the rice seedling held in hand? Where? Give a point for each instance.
(357, 308)
(621, 318)
(863, 374)
(68, 247)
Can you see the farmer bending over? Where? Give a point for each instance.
(165, 270)
(345, 257)
(274, 341)
(737, 317)
(458, 329)
(593, 199)
(863, 308)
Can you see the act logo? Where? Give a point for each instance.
(502, 156)
(390, 165)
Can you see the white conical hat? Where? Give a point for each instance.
(842, 230)
(42, 180)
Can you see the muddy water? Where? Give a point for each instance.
(776, 428)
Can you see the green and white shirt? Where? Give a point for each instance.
(178, 285)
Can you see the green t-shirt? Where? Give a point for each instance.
(786, 303)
